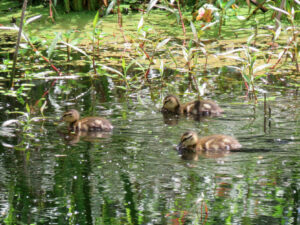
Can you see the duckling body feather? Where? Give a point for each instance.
(92, 124)
(201, 107)
(191, 142)
(172, 104)
(217, 142)
(86, 124)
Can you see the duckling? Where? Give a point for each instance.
(172, 104)
(191, 142)
(86, 124)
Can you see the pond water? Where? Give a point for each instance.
(134, 175)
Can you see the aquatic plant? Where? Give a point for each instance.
(291, 49)
(224, 5)
(247, 56)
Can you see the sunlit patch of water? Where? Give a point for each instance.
(135, 170)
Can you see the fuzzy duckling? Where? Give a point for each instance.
(86, 124)
(172, 104)
(191, 142)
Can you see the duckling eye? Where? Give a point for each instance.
(67, 114)
(184, 139)
(166, 101)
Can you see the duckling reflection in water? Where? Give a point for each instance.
(190, 142)
(172, 105)
(89, 136)
(86, 124)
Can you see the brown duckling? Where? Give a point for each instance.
(191, 142)
(172, 104)
(86, 124)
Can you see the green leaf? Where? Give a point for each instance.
(194, 31)
(96, 18)
(75, 48)
(229, 4)
(124, 64)
(122, 87)
(246, 77)
(140, 25)
(53, 45)
(111, 5)
(151, 5)
(27, 108)
(162, 43)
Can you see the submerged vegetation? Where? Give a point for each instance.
(122, 58)
(140, 43)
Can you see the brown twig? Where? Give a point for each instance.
(120, 21)
(285, 49)
(18, 43)
(182, 23)
(259, 6)
(50, 11)
(149, 58)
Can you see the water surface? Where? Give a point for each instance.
(134, 175)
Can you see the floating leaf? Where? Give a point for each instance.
(278, 31)
(31, 19)
(278, 9)
(9, 123)
(236, 58)
(250, 38)
(261, 67)
(162, 43)
(242, 18)
(111, 69)
(209, 25)
(232, 51)
(75, 48)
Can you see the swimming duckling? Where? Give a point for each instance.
(172, 104)
(86, 124)
(191, 142)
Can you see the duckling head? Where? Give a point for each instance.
(188, 140)
(171, 104)
(71, 116)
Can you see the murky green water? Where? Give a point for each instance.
(135, 176)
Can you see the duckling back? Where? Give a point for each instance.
(92, 124)
(190, 142)
(218, 142)
(202, 107)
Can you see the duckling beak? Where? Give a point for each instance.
(179, 146)
(61, 119)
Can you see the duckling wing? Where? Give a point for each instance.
(94, 124)
(202, 107)
(219, 142)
